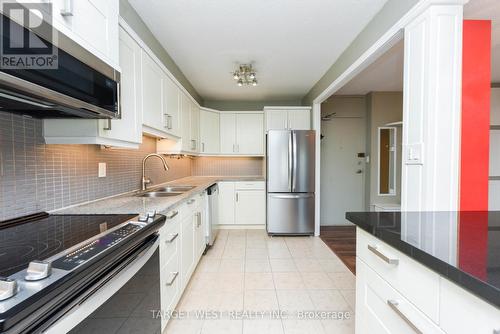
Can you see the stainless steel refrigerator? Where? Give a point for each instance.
(290, 171)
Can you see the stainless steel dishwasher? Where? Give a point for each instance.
(213, 214)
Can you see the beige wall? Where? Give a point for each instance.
(382, 108)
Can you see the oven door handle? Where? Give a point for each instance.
(141, 252)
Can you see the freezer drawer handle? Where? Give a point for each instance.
(292, 196)
(393, 304)
(172, 279)
(172, 238)
(384, 257)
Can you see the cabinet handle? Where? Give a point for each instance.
(169, 122)
(166, 121)
(67, 9)
(237, 197)
(234, 148)
(203, 147)
(108, 127)
(193, 144)
(172, 238)
(172, 279)
(198, 219)
(384, 257)
(191, 201)
(393, 304)
(172, 215)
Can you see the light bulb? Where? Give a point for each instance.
(252, 76)
(254, 82)
(240, 82)
(236, 76)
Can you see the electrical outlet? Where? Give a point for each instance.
(102, 169)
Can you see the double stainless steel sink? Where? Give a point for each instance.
(168, 191)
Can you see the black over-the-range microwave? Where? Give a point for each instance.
(53, 76)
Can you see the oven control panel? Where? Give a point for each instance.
(86, 252)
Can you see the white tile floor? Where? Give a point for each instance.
(248, 271)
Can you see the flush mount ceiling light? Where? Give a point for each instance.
(245, 75)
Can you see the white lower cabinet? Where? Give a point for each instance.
(182, 243)
(242, 203)
(395, 294)
(382, 309)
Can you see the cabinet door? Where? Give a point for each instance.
(151, 93)
(187, 249)
(495, 106)
(209, 132)
(185, 122)
(129, 127)
(250, 134)
(102, 33)
(226, 203)
(228, 133)
(171, 106)
(299, 119)
(250, 207)
(276, 120)
(195, 128)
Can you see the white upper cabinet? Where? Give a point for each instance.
(195, 128)
(125, 132)
(242, 133)
(171, 107)
(91, 23)
(250, 134)
(152, 78)
(288, 118)
(186, 123)
(228, 133)
(209, 132)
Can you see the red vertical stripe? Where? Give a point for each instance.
(475, 136)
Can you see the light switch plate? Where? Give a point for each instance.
(102, 169)
(414, 154)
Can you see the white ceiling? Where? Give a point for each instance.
(386, 73)
(292, 43)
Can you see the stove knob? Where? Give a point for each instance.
(143, 218)
(8, 288)
(38, 270)
(151, 214)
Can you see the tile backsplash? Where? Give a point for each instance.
(38, 177)
(227, 166)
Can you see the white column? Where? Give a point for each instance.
(432, 109)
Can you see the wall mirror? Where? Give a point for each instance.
(387, 161)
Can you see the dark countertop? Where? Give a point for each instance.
(463, 247)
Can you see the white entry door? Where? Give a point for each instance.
(342, 171)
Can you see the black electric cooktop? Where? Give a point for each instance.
(41, 236)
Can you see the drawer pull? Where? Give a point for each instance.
(384, 257)
(191, 201)
(172, 215)
(172, 279)
(172, 238)
(393, 304)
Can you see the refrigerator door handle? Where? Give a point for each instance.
(294, 160)
(289, 196)
(290, 161)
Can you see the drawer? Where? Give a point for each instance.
(186, 209)
(257, 185)
(417, 283)
(169, 237)
(463, 312)
(382, 309)
(170, 288)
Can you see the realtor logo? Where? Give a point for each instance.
(27, 36)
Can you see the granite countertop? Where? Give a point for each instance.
(128, 203)
(463, 247)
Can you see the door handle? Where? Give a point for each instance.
(172, 238)
(108, 127)
(294, 160)
(172, 279)
(393, 304)
(290, 161)
(381, 255)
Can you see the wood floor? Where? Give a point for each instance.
(342, 241)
